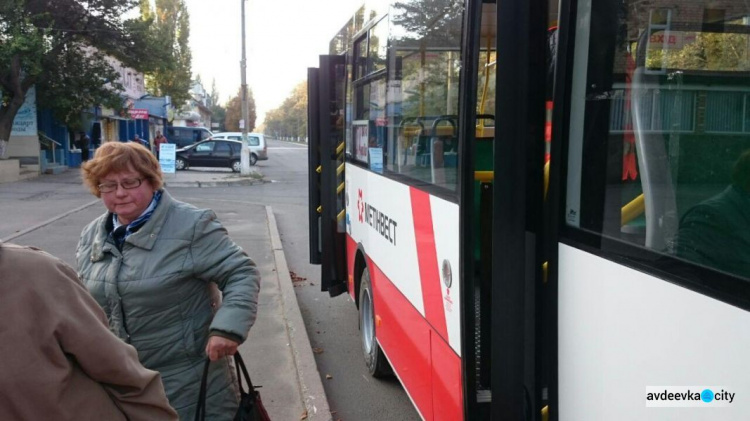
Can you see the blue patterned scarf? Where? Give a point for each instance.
(121, 232)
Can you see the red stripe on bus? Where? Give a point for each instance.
(404, 335)
(429, 275)
(428, 368)
(351, 253)
(447, 393)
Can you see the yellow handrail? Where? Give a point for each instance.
(484, 176)
(633, 209)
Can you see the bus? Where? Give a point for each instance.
(541, 209)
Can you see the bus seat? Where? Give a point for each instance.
(443, 142)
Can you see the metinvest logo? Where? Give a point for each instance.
(360, 206)
(379, 221)
(689, 396)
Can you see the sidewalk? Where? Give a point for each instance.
(212, 177)
(49, 211)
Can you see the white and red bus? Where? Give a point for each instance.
(599, 276)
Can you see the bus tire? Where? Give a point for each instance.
(375, 360)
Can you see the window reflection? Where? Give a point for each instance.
(423, 92)
(665, 83)
(378, 45)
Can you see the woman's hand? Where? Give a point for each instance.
(219, 347)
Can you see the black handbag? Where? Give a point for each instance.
(251, 407)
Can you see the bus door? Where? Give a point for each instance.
(506, 365)
(650, 146)
(327, 224)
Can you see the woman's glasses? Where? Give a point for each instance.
(127, 184)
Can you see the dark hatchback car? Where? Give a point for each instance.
(210, 153)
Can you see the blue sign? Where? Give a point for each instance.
(24, 124)
(167, 156)
(376, 160)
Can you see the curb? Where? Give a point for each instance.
(218, 183)
(313, 394)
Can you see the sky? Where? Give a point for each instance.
(283, 38)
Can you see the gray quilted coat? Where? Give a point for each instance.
(160, 295)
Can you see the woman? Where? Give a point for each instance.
(71, 367)
(158, 141)
(150, 262)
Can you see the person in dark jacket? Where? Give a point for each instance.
(58, 358)
(143, 142)
(716, 232)
(84, 144)
(156, 266)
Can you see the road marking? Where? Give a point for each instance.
(49, 221)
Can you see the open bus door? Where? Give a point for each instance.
(327, 225)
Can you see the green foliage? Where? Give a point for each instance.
(80, 80)
(707, 52)
(218, 113)
(171, 73)
(234, 111)
(289, 119)
(54, 44)
(436, 21)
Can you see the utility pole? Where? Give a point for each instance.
(245, 155)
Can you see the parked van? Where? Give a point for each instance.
(185, 136)
(255, 141)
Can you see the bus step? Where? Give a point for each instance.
(477, 339)
(484, 396)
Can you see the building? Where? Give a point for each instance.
(196, 111)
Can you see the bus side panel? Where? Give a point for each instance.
(404, 336)
(621, 330)
(447, 398)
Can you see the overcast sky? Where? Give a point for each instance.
(284, 38)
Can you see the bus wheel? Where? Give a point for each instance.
(375, 360)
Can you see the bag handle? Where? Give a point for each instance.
(200, 409)
(239, 364)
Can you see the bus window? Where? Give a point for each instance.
(423, 96)
(378, 45)
(659, 133)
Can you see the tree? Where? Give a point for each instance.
(429, 37)
(437, 22)
(234, 111)
(289, 119)
(218, 113)
(172, 73)
(60, 46)
(79, 81)
(706, 52)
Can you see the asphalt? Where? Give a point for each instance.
(278, 351)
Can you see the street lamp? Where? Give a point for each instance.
(245, 156)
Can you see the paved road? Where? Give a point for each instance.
(332, 323)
